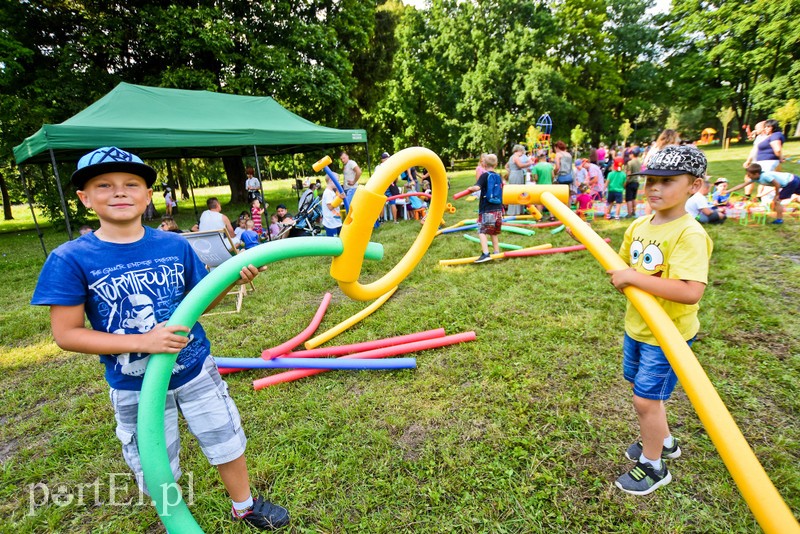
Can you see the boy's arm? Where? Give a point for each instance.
(747, 181)
(681, 291)
(70, 333)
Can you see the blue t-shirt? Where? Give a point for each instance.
(127, 289)
(783, 178)
(249, 239)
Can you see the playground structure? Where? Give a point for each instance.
(348, 253)
(545, 126)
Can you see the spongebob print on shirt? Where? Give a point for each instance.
(679, 249)
(647, 259)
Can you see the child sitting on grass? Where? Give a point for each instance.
(668, 253)
(274, 227)
(128, 279)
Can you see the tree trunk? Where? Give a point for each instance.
(234, 170)
(7, 216)
(182, 180)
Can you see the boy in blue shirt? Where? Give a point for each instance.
(786, 184)
(128, 279)
(668, 253)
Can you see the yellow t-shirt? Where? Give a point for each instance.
(679, 249)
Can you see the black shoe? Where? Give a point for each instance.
(264, 515)
(483, 258)
(644, 479)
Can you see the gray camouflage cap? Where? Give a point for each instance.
(673, 160)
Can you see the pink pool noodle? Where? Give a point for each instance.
(525, 253)
(366, 345)
(395, 350)
(354, 347)
(544, 224)
(302, 336)
(460, 194)
(404, 195)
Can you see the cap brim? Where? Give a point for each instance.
(81, 176)
(660, 172)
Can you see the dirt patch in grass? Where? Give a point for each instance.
(411, 442)
(8, 449)
(766, 341)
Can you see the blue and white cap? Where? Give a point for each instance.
(111, 159)
(674, 160)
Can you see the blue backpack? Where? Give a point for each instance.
(494, 188)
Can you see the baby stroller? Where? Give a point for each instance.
(305, 220)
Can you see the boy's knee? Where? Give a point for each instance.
(645, 406)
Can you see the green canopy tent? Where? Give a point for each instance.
(158, 123)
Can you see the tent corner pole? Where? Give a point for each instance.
(260, 180)
(261, 189)
(61, 193)
(191, 187)
(33, 212)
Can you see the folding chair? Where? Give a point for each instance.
(214, 247)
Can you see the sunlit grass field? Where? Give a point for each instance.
(522, 430)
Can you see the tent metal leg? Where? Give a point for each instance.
(191, 189)
(369, 164)
(260, 185)
(61, 193)
(265, 216)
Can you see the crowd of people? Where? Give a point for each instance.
(610, 175)
(605, 177)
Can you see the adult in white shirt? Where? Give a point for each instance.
(214, 219)
(350, 171)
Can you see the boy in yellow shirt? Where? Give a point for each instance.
(668, 253)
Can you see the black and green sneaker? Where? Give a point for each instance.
(644, 479)
(635, 451)
(263, 515)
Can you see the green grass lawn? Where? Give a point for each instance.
(522, 430)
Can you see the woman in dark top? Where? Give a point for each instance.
(769, 152)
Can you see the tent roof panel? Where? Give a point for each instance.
(181, 123)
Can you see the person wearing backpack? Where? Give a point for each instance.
(490, 208)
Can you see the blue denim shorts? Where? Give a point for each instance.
(647, 368)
